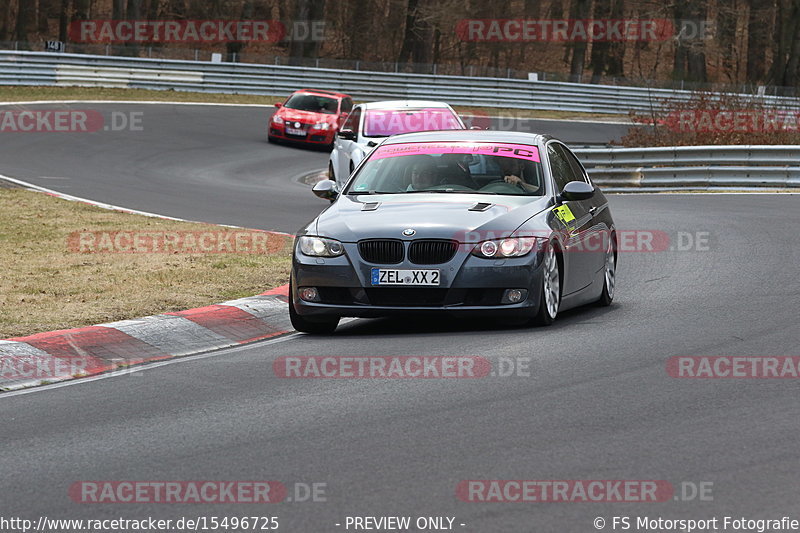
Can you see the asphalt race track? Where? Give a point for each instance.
(598, 403)
(206, 162)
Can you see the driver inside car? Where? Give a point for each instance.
(423, 176)
(513, 171)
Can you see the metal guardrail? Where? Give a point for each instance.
(693, 167)
(42, 68)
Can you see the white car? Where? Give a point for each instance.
(368, 124)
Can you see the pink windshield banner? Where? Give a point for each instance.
(517, 151)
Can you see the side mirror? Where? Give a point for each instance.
(278, 105)
(326, 189)
(577, 190)
(348, 135)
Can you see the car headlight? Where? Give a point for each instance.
(322, 126)
(320, 247)
(508, 247)
(277, 120)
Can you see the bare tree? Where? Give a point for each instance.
(607, 56)
(63, 19)
(689, 57)
(759, 22)
(26, 11)
(580, 9)
(305, 13)
(417, 37)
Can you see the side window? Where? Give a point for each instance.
(352, 121)
(347, 105)
(559, 166)
(577, 168)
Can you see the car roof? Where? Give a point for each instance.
(469, 136)
(323, 92)
(400, 104)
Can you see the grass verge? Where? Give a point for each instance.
(29, 94)
(46, 284)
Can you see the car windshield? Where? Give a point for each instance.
(385, 122)
(451, 167)
(312, 102)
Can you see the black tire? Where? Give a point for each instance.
(271, 139)
(316, 326)
(331, 173)
(552, 268)
(609, 273)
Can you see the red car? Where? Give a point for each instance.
(310, 116)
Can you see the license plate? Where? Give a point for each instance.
(385, 276)
(292, 131)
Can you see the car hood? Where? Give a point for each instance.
(305, 116)
(431, 216)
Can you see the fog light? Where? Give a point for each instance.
(514, 296)
(309, 294)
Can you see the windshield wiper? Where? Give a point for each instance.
(449, 191)
(435, 191)
(355, 193)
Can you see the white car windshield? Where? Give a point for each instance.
(451, 167)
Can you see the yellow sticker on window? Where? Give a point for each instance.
(564, 214)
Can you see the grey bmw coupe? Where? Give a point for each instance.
(458, 222)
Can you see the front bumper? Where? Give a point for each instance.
(469, 285)
(313, 136)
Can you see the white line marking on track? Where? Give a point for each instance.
(112, 207)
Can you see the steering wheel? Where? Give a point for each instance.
(500, 186)
(448, 186)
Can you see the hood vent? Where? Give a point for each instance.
(370, 206)
(480, 206)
